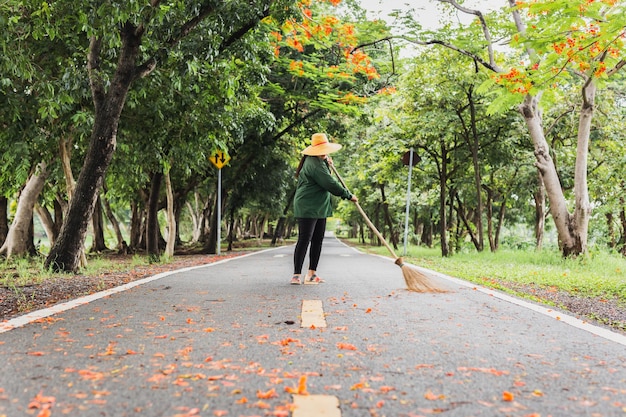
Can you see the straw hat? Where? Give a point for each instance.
(320, 145)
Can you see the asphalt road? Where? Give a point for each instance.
(228, 339)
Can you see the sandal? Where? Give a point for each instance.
(315, 279)
(295, 280)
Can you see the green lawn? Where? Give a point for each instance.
(598, 274)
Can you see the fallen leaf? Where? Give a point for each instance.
(267, 394)
(492, 371)
(507, 396)
(262, 405)
(346, 346)
(433, 397)
(302, 385)
(358, 385)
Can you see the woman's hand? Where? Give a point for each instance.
(354, 199)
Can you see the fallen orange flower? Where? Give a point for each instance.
(492, 371)
(262, 405)
(267, 394)
(285, 342)
(346, 346)
(302, 386)
(358, 385)
(507, 396)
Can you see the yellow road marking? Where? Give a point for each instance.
(312, 314)
(316, 406)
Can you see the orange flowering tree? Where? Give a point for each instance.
(322, 51)
(556, 44)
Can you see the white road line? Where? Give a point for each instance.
(316, 406)
(565, 318)
(312, 314)
(20, 321)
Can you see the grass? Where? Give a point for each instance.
(599, 274)
(21, 272)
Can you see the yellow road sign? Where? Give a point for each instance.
(219, 159)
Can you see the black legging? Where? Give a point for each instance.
(309, 231)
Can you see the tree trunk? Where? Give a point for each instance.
(66, 252)
(135, 226)
(387, 217)
(426, 236)
(610, 227)
(540, 212)
(231, 228)
(121, 244)
(97, 222)
(472, 141)
(571, 229)
(462, 215)
(501, 214)
(171, 219)
(280, 227)
(443, 180)
(621, 243)
(210, 245)
(152, 220)
(4, 219)
(582, 206)
(18, 242)
(205, 222)
(489, 209)
(47, 222)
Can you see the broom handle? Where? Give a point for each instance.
(367, 220)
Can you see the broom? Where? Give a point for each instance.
(415, 280)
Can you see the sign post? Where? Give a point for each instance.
(410, 159)
(219, 159)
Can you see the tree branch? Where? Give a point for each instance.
(492, 66)
(251, 24)
(191, 24)
(483, 24)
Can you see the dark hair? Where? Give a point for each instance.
(300, 165)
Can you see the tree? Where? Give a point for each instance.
(17, 238)
(559, 41)
(137, 37)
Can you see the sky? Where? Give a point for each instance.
(427, 10)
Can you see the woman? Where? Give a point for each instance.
(311, 203)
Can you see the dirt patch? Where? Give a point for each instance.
(605, 312)
(17, 301)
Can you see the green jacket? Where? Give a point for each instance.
(315, 185)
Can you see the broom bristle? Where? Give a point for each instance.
(418, 282)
